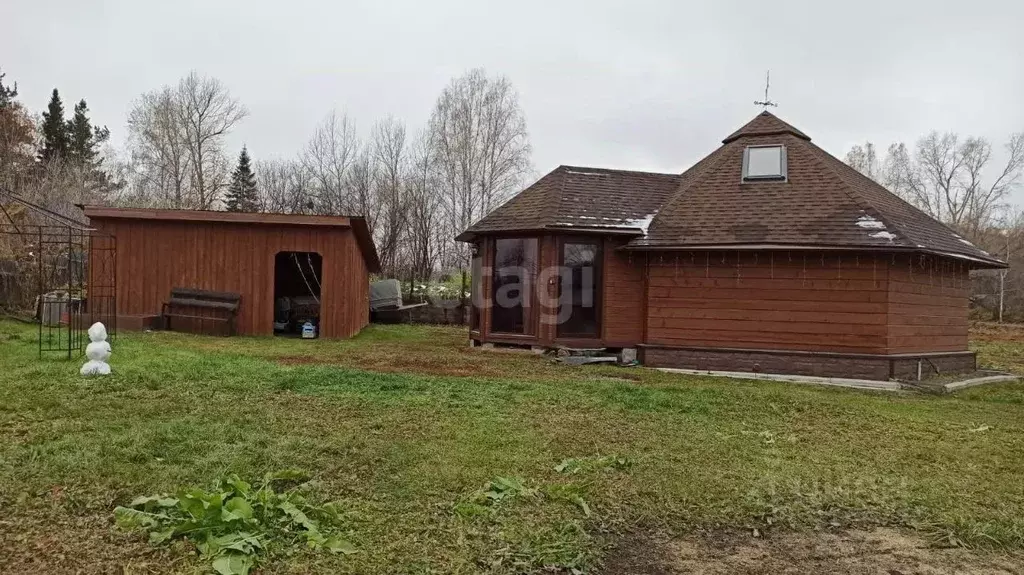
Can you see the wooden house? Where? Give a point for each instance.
(768, 255)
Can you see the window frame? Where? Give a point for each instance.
(598, 286)
(783, 165)
(527, 295)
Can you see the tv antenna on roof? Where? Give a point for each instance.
(766, 102)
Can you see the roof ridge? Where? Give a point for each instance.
(833, 163)
(689, 177)
(557, 207)
(618, 170)
(859, 199)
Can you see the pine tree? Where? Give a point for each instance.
(242, 191)
(55, 131)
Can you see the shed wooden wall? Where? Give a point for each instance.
(153, 256)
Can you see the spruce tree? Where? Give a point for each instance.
(80, 135)
(55, 131)
(84, 138)
(242, 191)
(84, 141)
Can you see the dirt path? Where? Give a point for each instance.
(881, 551)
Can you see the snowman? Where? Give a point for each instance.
(98, 352)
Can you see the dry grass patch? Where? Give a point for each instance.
(854, 552)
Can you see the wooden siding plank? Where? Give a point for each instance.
(768, 301)
(928, 305)
(622, 298)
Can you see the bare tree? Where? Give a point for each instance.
(61, 185)
(979, 202)
(481, 149)
(864, 159)
(360, 186)
(206, 112)
(952, 180)
(327, 159)
(274, 188)
(424, 205)
(176, 143)
(1005, 288)
(17, 142)
(899, 174)
(158, 151)
(946, 179)
(389, 159)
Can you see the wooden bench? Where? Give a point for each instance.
(184, 303)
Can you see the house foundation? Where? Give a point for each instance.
(906, 367)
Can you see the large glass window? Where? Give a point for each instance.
(514, 266)
(579, 299)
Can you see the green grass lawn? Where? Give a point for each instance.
(402, 424)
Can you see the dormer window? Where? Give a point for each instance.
(762, 163)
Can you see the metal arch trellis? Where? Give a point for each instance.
(59, 270)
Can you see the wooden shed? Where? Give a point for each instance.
(265, 258)
(767, 255)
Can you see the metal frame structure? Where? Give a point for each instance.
(50, 259)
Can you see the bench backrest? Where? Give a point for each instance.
(204, 298)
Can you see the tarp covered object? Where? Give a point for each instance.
(385, 294)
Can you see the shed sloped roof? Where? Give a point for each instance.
(357, 223)
(823, 203)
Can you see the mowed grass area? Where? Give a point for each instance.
(402, 423)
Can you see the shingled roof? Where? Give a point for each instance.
(582, 199)
(822, 203)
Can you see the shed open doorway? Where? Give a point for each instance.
(297, 277)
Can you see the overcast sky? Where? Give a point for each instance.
(637, 85)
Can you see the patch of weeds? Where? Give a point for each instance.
(235, 524)
(969, 533)
(482, 502)
(569, 493)
(795, 504)
(576, 465)
(492, 493)
(289, 382)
